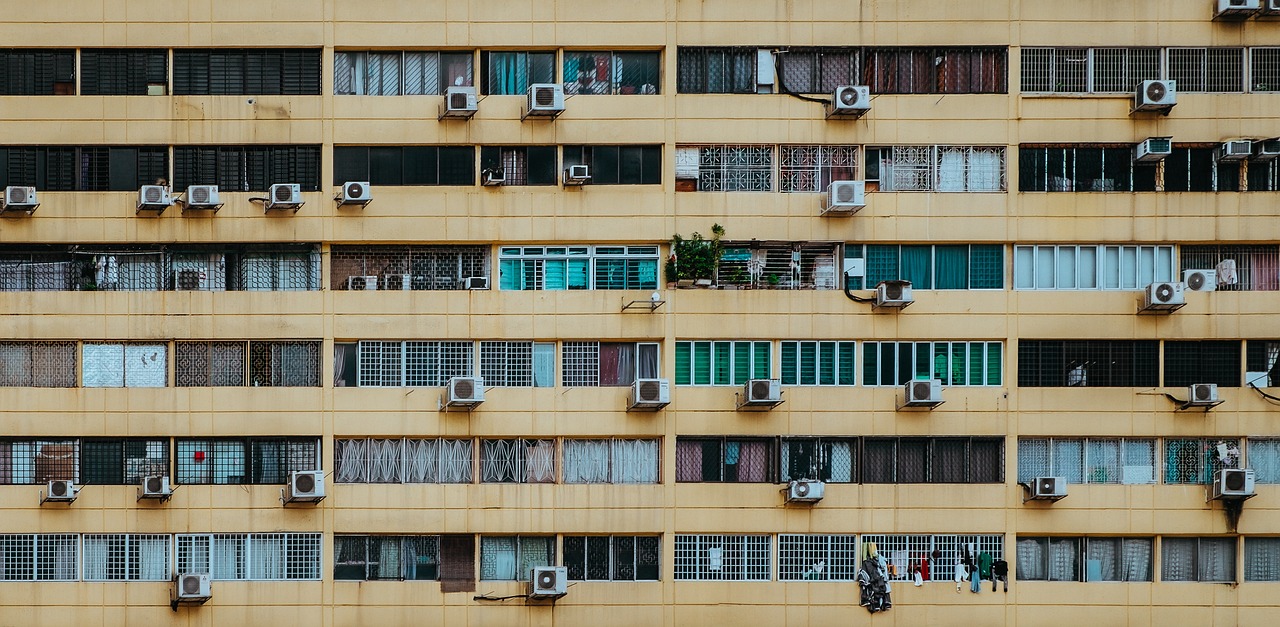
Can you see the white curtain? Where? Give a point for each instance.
(951, 173)
(455, 461)
(226, 556)
(1177, 559)
(193, 554)
(1136, 559)
(986, 166)
(1264, 458)
(1063, 557)
(1068, 460)
(266, 557)
(1217, 558)
(635, 461)
(544, 364)
(95, 557)
(586, 461)
(348, 73)
(498, 557)
(103, 365)
(153, 557)
(534, 551)
(1262, 559)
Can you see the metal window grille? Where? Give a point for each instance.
(293, 363)
(578, 267)
(39, 461)
(364, 558)
(580, 364)
(210, 364)
(38, 364)
(817, 70)
(1205, 361)
(611, 558)
(126, 557)
(817, 557)
(39, 557)
(251, 556)
(1054, 70)
(953, 363)
(1121, 70)
(1090, 460)
(908, 169)
(723, 557)
(814, 168)
(1264, 69)
(408, 460)
(939, 552)
(610, 460)
(734, 168)
(152, 268)
(124, 364)
(1241, 267)
(416, 268)
(824, 459)
(610, 72)
(1264, 459)
(1088, 363)
(244, 461)
(1194, 460)
(122, 461)
(513, 557)
(506, 364)
(778, 265)
(719, 70)
(265, 271)
(517, 461)
(408, 72)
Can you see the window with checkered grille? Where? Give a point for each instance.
(1121, 70)
(512, 558)
(518, 364)
(39, 461)
(126, 557)
(370, 558)
(612, 558)
(1088, 363)
(936, 556)
(426, 363)
(626, 73)
(39, 557)
(122, 461)
(709, 557)
(605, 364)
(1203, 361)
(400, 268)
(403, 460)
(244, 460)
(936, 168)
(250, 556)
(817, 557)
(1088, 460)
(933, 460)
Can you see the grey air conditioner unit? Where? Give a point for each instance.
(894, 294)
(1153, 149)
(493, 177)
(1232, 484)
(460, 103)
(155, 487)
(1235, 150)
(805, 491)
(845, 197)
(19, 200)
(760, 394)
(1202, 395)
(544, 100)
(474, 283)
(201, 198)
(284, 197)
(305, 486)
(464, 392)
(1235, 9)
(925, 393)
(1046, 489)
(153, 199)
(355, 193)
(548, 582)
(1156, 96)
(1200, 280)
(577, 175)
(1266, 149)
(1270, 8)
(362, 283)
(190, 589)
(850, 101)
(1163, 298)
(649, 395)
(61, 491)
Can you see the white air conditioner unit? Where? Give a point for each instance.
(850, 100)
(155, 487)
(284, 196)
(305, 486)
(1270, 8)
(545, 100)
(355, 193)
(493, 177)
(1156, 96)
(1232, 484)
(922, 393)
(1235, 150)
(464, 392)
(577, 175)
(548, 582)
(1200, 280)
(474, 283)
(1163, 297)
(1266, 149)
(361, 283)
(1047, 488)
(1202, 395)
(202, 197)
(190, 589)
(19, 200)
(894, 294)
(649, 395)
(845, 197)
(1236, 9)
(154, 198)
(61, 491)
(397, 282)
(761, 393)
(459, 103)
(805, 491)
(1153, 149)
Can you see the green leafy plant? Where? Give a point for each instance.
(695, 257)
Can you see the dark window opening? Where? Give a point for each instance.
(37, 72)
(1208, 361)
(122, 72)
(1087, 363)
(405, 165)
(618, 165)
(83, 169)
(224, 71)
(521, 165)
(246, 168)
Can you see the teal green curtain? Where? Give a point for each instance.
(684, 367)
(847, 360)
(642, 275)
(916, 266)
(923, 359)
(882, 264)
(509, 274)
(952, 264)
(578, 274)
(508, 73)
(790, 376)
(986, 267)
(554, 277)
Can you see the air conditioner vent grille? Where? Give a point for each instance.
(200, 195)
(283, 193)
(464, 388)
(306, 483)
(58, 488)
(650, 390)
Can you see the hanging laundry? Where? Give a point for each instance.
(874, 584)
(984, 565)
(1226, 271)
(1000, 572)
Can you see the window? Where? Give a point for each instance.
(277, 271)
(722, 558)
(513, 558)
(728, 460)
(1094, 267)
(936, 70)
(84, 168)
(405, 165)
(1240, 267)
(126, 557)
(1119, 70)
(457, 563)
(578, 267)
(125, 365)
(520, 165)
(1194, 460)
(370, 558)
(407, 267)
(1088, 363)
(1083, 169)
(244, 461)
(701, 70)
(726, 168)
(250, 556)
(936, 168)
(122, 72)
(940, 267)
(246, 168)
(778, 265)
(518, 364)
(414, 363)
(400, 72)
(723, 362)
(818, 363)
(262, 71)
(1091, 460)
(611, 558)
(1205, 361)
(814, 168)
(1198, 559)
(1084, 559)
(905, 551)
(614, 460)
(1264, 459)
(618, 165)
(39, 557)
(511, 73)
(1262, 559)
(596, 364)
(954, 363)
(284, 364)
(817, 70)
(123, 461)
(210, 364)
(1264, 69)
(517, 460)
(38, 364)
(624, 73)
(817, 557)
(832, 460)
(38, 461)
(403, 460)
(933, 460)
(38, 72)
(1195, 169)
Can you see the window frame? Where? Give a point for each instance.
(1087, 471)
(723, 446)
(295, 555)
(292, 458)
(614, 568)
(613, 84)
(355, 62)
(407, 571)
(755, 557)
(755, 351)
(518, 546)
(874, 352)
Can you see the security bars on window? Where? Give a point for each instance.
(414, 363)
(126, 557)
(511, 558)
(38, 461)
(39, 557)
(1089, 460)
(369, 558)
(399, 268)
(1120, 70)
(408, 460)
(937, 168)
(238, 461)
(723, 557)
(250, 556)
(517, 461)
(902, 551)
(611, 558)
(817, 557)
(778, 265)
(38, 364)
(610, 460)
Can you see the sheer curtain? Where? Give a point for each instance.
(1217, 557)
(1177, 559)
(1031, 559)
(1063, 557)
(986, 166)
(1136, 559)
(266, 557)
(586, 461)
(544, 364)
(534, 551)
(1262, 559)
(951, 170)
(688, 461)
(635, 461)
(498, 557)
(95, 557)
(226, 556)
(153, 557)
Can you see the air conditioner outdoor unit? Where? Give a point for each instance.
(202, 197)
(361, 283)
(577, 175)
(474, 283)
(1047, 488)
(1200, 280)
(1163, 297)
(845, 197)
(896, 294)
(850, 100)
(545, 100)
(155, 487)
(355, 193)
(649, 395)
(61, 491)
(459, 103)
(1156, 96)
(1270, 8)
(1202, 395)
(805, 491)
(1235, 150)
(548, 582)
(190, 589)
(922, 393)
(284, 196)
(493, 177)
(190, 280)
(1153, 149)
(464, 392)
(1236, 9)
(154, 199)
(1232, 484)
(761, 393)
(19, 200)
(397, 282)
(305, 486)
(1266, 149)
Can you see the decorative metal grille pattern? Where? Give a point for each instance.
(937, 168)
(941, 552)
(39, 461)
(1264, 459)
(1194, 460)
(244, 461)
(611, 558)
(155, 268)
(406, 267)
(210, 364)
(284, 363)
(511, 558)
(778, 265)
(1241, 267)
(38, 364)
(250, 556)
(408, 460)
(813, 168)
(517, 461)
(817, 557)
(366, 558)
(126, 557)
(39, 557)
(824, 459)
(610, 461)
(1090, 460)
(731, 168)
(723, 557)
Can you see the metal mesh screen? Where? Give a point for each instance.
(817, 557)
(38, 364)
(210, 364)
(39, 461)
(506, 364)
(123, 461)
(39, 557)
(723, 557)
(1206, 361)
(580, 364)
(938, 554)
(406, 267)
(237, 461)
(1264, 69)
(251, 556)
(126, 557)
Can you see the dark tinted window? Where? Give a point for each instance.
(37, 72)
(404, 165)
(246, 168)
(117, 72)
(618, 165)
(1216, 361)
(225, 71)
(86, 168)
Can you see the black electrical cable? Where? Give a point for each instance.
(1269, 397)
(856, 299)
(782, 87)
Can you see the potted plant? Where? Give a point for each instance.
(693, 260)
